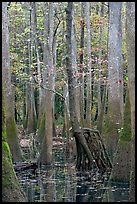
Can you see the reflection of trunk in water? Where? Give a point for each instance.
(47, 185)
(116, 192)
(70, 185)
(90, 187)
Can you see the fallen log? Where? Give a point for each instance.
(21, 166)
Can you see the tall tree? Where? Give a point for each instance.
(82, 100)
(130, 43)
(46, 151)
(100, 56)
(31, 112)
(77, 133)
(12, 137)
(89, 75)
(38, 54)
(113, 121)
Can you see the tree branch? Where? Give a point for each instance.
(56, 92)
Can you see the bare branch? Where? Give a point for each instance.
(56, 92)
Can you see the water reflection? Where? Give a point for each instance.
(70, 184)
(62, 183)
(116, 192)
(47, 184)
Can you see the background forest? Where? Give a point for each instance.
(68, 78)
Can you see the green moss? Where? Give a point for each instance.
(41, 130)
(5, 148)
(125, 133)
(4, 136)
(11, 191)
(11, 128)
(7, 171)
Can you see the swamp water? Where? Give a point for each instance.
(62, 183)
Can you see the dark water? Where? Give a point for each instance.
(62, 183)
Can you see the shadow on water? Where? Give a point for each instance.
(62, 183)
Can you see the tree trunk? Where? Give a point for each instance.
(46, 151)
(89, 75)
(6, 78)
(122, 161)
(75, 71)
(81, 66)
(31, 112)
(113, 120)
(100, 118)
(11, 191)
(71, 84)
(34, 21)
(100, 56)
(130, 41)
(83, 149)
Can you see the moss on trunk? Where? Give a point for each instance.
(12, 139)
(125, 134)
(110, 136)
(11, 190)
(122, 160)
(41, 129)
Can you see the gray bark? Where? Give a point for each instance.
(82, 102)
(100, 56)
(71, 84)
(130, 43)
(113, 121)
(34, 19)
(6, 80)
(89, 75)
(75, 71)
(31, 112)
(46, 151)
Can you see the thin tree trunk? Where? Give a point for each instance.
(32, 118)
(89, 75)
(100, 56)
(82, 102)
(102, 110)
(75, 70)
(34, 19)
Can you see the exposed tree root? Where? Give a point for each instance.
(91, 150)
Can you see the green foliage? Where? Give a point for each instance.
(4, 136)
(60, 121)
